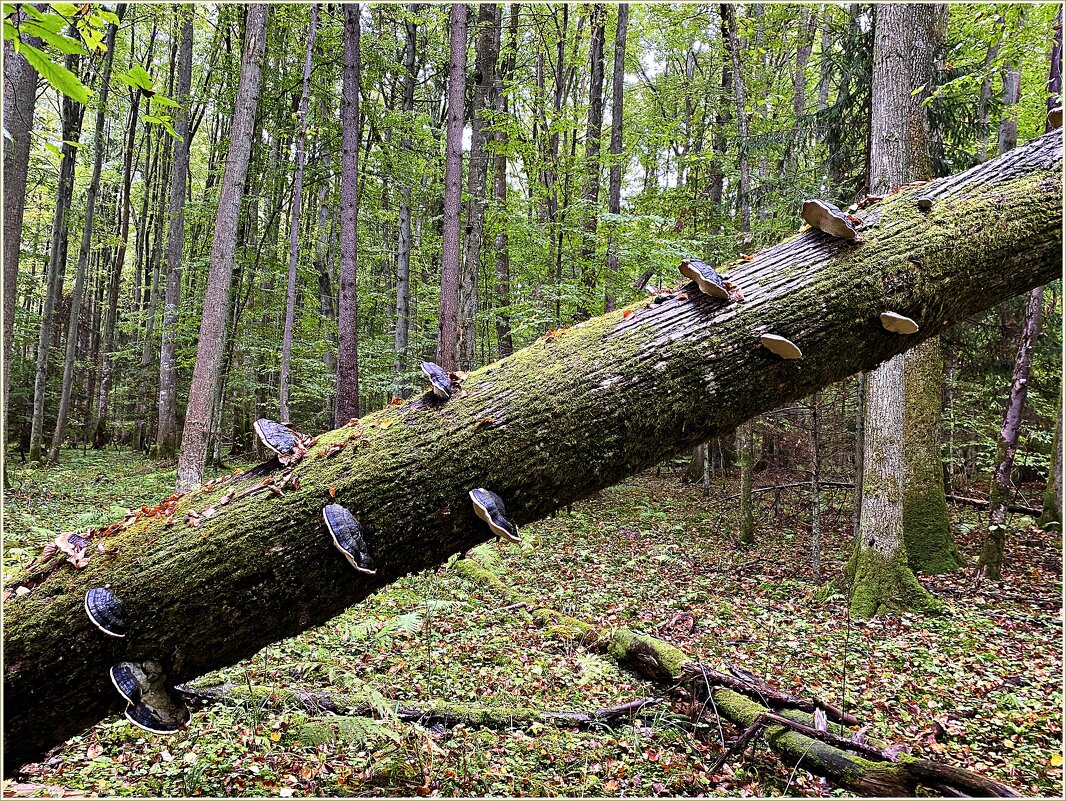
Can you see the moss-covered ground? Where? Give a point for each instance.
(980, 688)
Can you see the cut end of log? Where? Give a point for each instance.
(897, 323)
(780, 346)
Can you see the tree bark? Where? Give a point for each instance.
(86, 242)
(487, 50)
(294, 222)
(590, 191)
(401, 335)
(499, 191)
(348, 301)
(1052, 511)
(991, 561)
(216, 298)
(167, 426)
(746, 464)
(453, 175)
(614, 188)
(904, 44)
(262, 568)
(20, 95)
(71, 114)
(729, 33)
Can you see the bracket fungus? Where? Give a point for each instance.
(275, 436)
(347, 534)
(828, 218)
(150, 705)
(439, 379)
(106, 612)
(780, 346)
(489, 507)
(897, 323)
(705, 276)
(924, 202)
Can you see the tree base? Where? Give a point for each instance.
(880, 584)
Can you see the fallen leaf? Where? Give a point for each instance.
(333, 492)
(627, 313)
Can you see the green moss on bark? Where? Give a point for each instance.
(880, 584)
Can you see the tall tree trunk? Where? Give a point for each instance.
(487, 51)
(20, 94)
(1012, 92)
(984, 99)
(816, 502)
(881, 576)
(198, 594)
(1052, 511)
(990, 563)
(294, 221)
(167, 427)
(746, 463)
(729, 33)
(453, 175)
(499, 191)
(614, 189)
(348, 302)
(86, 242)
(590, 191)
(402, 332)
(216, 297)
(71, 114)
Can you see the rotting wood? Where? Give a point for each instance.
(573, 413)
(888, 774)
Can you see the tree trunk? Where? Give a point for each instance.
(487, 50)
(746, 463)
(216, 298)
(1052, 512)
(71, 114)
(167, 426)
(348, 302)
(614, 190)
(590, 191)
(453, 176)
(926, 528)
(991, 561)
(20, 94)
(294, 222)
(499, 192)
(879, 567)
(401, 335)
(729, 33)
(1012, 92)
(86, 242)
(262, 568)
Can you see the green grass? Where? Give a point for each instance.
(649, 554)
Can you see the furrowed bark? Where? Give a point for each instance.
(625, 392)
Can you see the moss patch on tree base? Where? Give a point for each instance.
(927, 534)
(880, 584)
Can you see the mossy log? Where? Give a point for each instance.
(853, 767)
(576, 411)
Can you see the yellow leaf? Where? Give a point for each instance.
(275, 736)
(1056, 760)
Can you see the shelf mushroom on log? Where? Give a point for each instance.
(627, 390)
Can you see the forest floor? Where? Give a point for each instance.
(981, 688)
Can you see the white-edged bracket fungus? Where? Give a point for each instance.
(784, 348)
(275, 436)
(1054, 118)
(489, 507)
(347, 534)
(106, 612)
(828, 218)
(439, 379)
(705, 276)
(150, 705)
(897, 323)
(924, 202)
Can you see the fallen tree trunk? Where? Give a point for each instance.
(982, 503)
(575, 412)
(861, 766)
